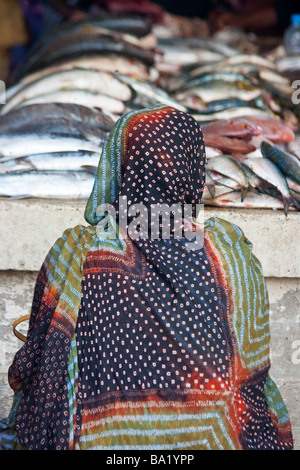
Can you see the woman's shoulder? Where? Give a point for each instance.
(230, 233)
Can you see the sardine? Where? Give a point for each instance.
(57, 185)
(288, 164)
(76, 79)
(269, 172)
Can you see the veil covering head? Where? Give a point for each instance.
(152, 156)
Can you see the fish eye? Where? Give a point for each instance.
(245, 126)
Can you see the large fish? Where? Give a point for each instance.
(269, 172)
(94, 44)
(251, 201)
(81, 97)
(108, 63)
(57, 161)
(21, 145)
(70, 185)
(275, 130)
(21, 119)
(228, 145)
(288, 164)
(237, 127)
(92, 81)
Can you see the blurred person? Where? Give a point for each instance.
(261, 16)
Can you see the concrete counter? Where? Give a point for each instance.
(29, 227)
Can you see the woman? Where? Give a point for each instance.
(147, 342)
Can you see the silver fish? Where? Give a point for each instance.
(269, 172)
(22, 145)
(288, 164)
(226, 166)
(153, 93)
(57, 185)
(80, 97)
(92, 81)
(251, 201)
(57, 161)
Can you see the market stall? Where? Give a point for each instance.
(63, 100)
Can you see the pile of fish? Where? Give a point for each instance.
(78, 79)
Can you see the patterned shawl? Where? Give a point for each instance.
(143, 343)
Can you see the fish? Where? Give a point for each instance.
(275, 130)
(226, 166)
(286, 162)
(236, 127)
(269, 172)
(293, 147)
(94, 44)
(108, 63)
(20, 118)
(56, 161)
(61, 127)
(92, 81)
(231, 103)
(293, 185)
(185, 55)
(237, 79)
(204, 117)
(228, 145)
(217, 191)
(57, 185)
(81, 97)
(153, 94)
(21, 145)
(218, 90)
(251, 201)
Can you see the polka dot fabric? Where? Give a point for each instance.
(143, 343)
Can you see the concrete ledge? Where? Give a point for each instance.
(29, 227)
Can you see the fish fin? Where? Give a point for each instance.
(295, 202)
(244, 192)
(286, 204)
(90, 169)
(211, 189)
(254, 190)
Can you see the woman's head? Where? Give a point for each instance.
(153, 156)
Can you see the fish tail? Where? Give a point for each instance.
(211, 189)
(244, 192)
(295, 202)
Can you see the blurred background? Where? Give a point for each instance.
(22, 22)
